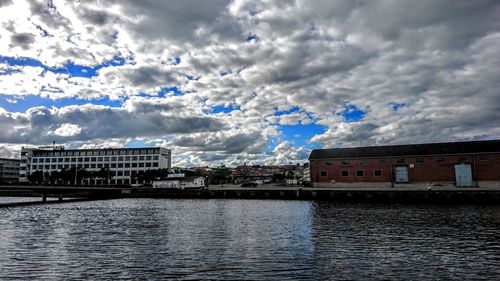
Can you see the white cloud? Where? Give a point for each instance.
(439, 58)
(67, 130)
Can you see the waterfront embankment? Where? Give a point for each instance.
(436, 195)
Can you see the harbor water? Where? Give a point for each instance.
(158, 239)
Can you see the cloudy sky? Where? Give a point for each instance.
(247, 81)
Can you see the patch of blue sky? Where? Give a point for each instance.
(223, 109)
(177, 60)
(352, 113)
(43, 32)
(23, 103)
(70, 68)
(137, 143)
(397, 106)
(286, 112)
(173, 90)
(300, 135)
(251, 37)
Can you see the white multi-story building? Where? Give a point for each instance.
(122, 163)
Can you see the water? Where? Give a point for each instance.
(148, 239)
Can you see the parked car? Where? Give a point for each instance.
(248, 184)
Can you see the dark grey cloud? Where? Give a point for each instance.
(40, 124)
(229, 144)
(48, 14)
(24, 40)
(5, 2)
(96, 17)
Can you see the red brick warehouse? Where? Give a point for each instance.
(473, 163)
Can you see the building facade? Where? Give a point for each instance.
(9, 171)
(122, 163)
(461, 164)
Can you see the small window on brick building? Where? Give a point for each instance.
(401, 161)
(329, 162)
(461, 158)
(363, 161)
(484, 157)
(360, 173)
(345, 162)
(377, 173)
(440, 158)
(382, 161)
(322, 173)
(419, 160)
(345, 173)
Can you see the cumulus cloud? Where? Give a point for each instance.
(437, 58)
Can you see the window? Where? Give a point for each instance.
(127, 158)
(141, 157)
(127, 165)
(60, 159)
(377, 173)
(148, 165)
(440, 158)
(141, 165)
(54, 160)
(322, 173)
(113, 158)
(360, 173)
(93, 159)
(126, 173)
(99, 159)
(155, 164)
(113, 165)
(484, 157)
(400, 161)
(363, 161)
(120, 165)
(329, 162)
(86, 166)
(92, 166)
(345, 173)
(382, 161)
(148, 157)
(120, 158)
(106, 158)
(119, 173)
(35, 160)
(134, 158)
(345, 162)
(86, 159)
(461, 158)
(67, 159)
(155, 157)
(419, 160)
(134, 165)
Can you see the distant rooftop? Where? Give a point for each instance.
(408, 150)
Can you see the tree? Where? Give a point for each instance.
(36, 177)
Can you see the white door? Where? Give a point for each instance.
(463, 175)
(401, 174)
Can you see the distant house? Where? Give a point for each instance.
(473, 163)
(180, 182)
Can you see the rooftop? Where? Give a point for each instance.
(408, 150)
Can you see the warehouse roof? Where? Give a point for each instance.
(408, 150)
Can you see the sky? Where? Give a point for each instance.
(247, 81)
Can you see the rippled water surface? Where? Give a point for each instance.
(148, 239)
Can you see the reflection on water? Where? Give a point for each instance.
(5, 200)
(134, 239)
